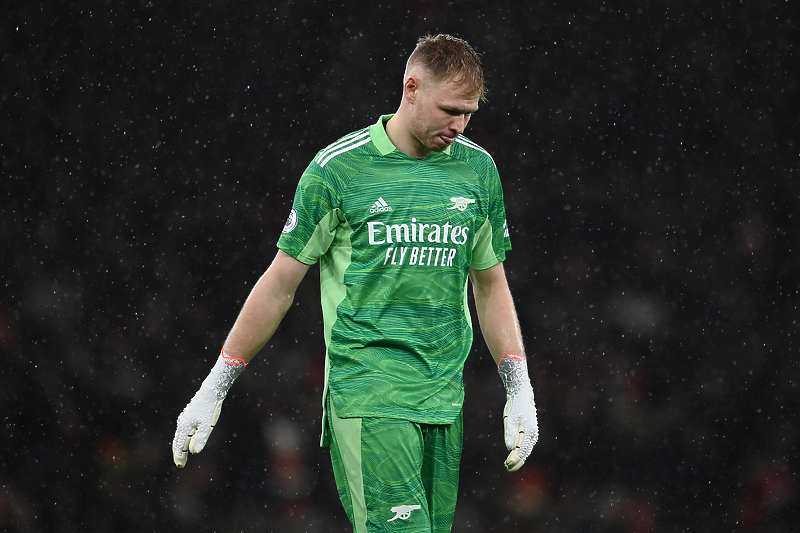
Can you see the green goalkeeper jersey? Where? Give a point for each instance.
(396, 238)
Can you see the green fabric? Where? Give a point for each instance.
(345, 452)
(395, 475)
(396, 238)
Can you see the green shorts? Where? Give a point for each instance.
(395, 475)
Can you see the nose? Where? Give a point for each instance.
(459, 123)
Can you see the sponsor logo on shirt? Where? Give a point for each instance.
(380, 206)
(380, 233)
(430, 244)
(428, 236)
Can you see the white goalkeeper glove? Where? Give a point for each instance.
(198, 418)
(519, 416)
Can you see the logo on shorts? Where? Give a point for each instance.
(291, 222)
(403, 512)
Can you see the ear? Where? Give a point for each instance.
(410, 89)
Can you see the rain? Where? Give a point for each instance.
(649, 157)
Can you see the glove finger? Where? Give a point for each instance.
(531, 438)
(515, 433)
(200, 438)
(516, 440)
(508, 430)
(198, 441)
(511, 437)
(215, 417)
(514, 462)
(180, 449)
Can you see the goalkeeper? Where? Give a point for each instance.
(401, 216)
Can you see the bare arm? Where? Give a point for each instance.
(501, 331)
(265, 307)
(496, 313)
(260, 316)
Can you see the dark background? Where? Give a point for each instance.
(649, 153)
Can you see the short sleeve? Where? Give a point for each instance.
(492, 239)
(311, 226)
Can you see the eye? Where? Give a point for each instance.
(458, 112)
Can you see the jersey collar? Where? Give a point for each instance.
(377, 133)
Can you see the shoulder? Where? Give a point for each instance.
(473, 154)
(335, 165)
(347, 150)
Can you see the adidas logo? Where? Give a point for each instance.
(380, 206)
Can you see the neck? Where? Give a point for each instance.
(399, 132)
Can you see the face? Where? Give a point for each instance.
(440, 113)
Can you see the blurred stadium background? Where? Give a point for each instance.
(649, 152)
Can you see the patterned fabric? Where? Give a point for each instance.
(396, 475)
(396, 238)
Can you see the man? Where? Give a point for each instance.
(400, 216)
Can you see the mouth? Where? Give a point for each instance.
(446, 139)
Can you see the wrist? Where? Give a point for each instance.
(223, 374)
(513, 370)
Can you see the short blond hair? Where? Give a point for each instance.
(449, 58)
